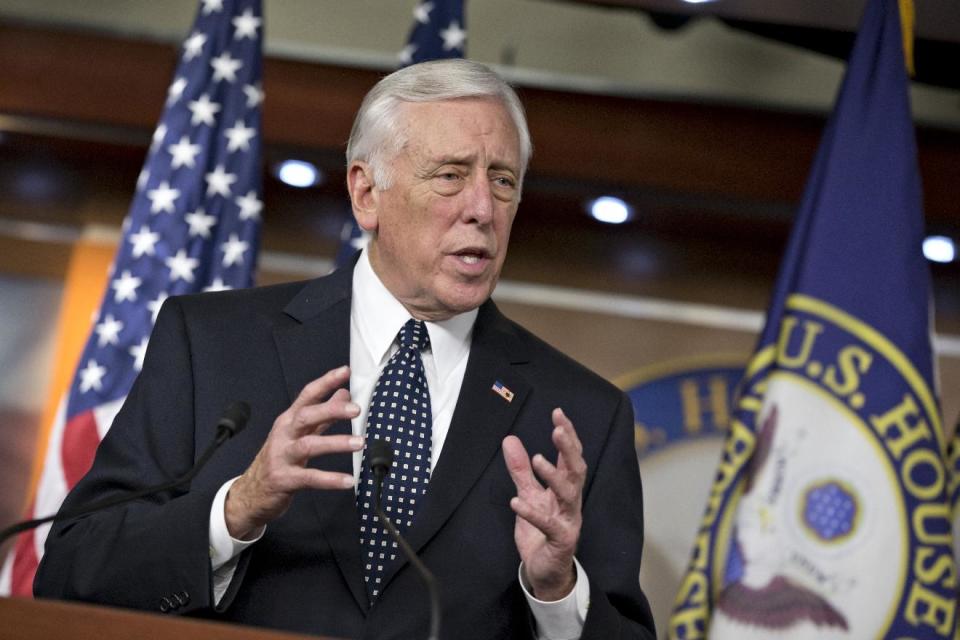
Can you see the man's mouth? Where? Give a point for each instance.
(472, 256)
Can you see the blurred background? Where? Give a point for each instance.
(702, 118)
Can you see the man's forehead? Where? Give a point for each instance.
(425, 125)
(410, 111)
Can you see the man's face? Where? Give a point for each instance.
(440, 232)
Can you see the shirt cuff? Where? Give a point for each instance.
(562, 619)
(223, 546)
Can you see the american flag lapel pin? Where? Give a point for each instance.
(502, 391)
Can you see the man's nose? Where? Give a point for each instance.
(479, 204)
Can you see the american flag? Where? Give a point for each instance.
(439, 31)
(193, 225)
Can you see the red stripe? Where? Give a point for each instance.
(25, 563)
(80, 440)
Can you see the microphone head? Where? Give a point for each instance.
(380, 456)
(234, 418)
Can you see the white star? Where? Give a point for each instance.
(406, 55)
(361, 241)
(421, 12)
(91, 377)
(211, 6)
(246, 25)
(143, 178)
(225, 67)
(181, 266)
(239, 136)
(158, 135)
(203, 110)
(125, 287)
(108, 331)
(200, 223)
(218, 285)
(346, 235)
(175, 92)
(184, 153)
(254, 95)
(162, 198)
(143, 241)
(453, 36)
(219, 181)
(154, 305)
(138, 351)
(250, 206)
(193, 46)
(233, 250)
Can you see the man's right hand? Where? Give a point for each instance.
(265, 489)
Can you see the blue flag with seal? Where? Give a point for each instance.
(829, 516)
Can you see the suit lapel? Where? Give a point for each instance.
(314, 338)
(481, 420)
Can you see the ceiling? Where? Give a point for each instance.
(750, 52)
(706, 126)
(822, 26)
(936, 19)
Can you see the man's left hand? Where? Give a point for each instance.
(548, 512)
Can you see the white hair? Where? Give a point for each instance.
(377, 137)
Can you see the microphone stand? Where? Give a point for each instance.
(381, 457)
(233, 420)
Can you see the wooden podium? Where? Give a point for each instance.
(26, 619)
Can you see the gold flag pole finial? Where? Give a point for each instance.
(907, 22)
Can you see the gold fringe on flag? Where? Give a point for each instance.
(907, 22)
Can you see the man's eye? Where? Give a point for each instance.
(503, 181)
(449, 177)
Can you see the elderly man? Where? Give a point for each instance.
(405, 347)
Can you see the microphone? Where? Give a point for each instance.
(380, 457)
(233, 420)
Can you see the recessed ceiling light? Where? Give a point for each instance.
(939, 249)
(610, 210)
(298, 173)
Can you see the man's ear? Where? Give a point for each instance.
(363, 194)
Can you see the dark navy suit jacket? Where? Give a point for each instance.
(263, 345)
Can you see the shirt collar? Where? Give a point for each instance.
(380, 316)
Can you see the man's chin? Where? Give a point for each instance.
(463, 298)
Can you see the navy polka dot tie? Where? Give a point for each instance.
(400, 415)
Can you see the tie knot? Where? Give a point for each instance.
(414, 334)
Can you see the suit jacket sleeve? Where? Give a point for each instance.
(612, 539)
(153, 553)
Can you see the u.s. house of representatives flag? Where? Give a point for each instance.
(193, 226)
(828, 517)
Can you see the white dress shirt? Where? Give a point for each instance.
(375, 320)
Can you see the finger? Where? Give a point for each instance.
(564, 484)
(518, 464)
(569, 442)
(321, 388)
(541, 520)
(316, 418)
(307, 478)
(568, 445)
(311, 446)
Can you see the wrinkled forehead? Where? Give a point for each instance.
(439, 124)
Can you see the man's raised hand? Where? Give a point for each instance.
(265, 490)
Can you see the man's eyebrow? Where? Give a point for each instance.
(503, 166)
(453, 159)
(468, 159)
